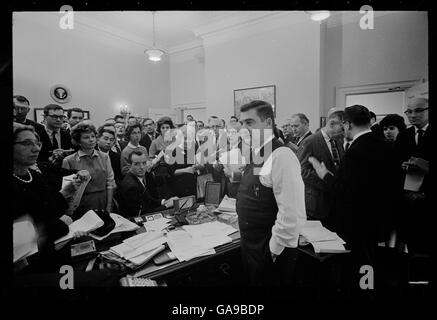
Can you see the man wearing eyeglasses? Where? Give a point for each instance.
(413, 147)
(54, 139)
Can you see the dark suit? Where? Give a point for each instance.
(319, 199)
(146, 141)
(413, 230)
(364, 186)
(135, 199)
(47, 145)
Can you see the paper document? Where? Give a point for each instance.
(334, 246)
(90, 221)
(413, 181)
(322, 240)
(25, 239)
(77, 197)
(228, 205)
(157, 224)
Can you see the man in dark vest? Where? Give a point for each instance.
(270, 202)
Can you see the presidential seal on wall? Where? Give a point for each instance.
(60, 93)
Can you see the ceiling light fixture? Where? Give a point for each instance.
(154, 53)
(319, 15)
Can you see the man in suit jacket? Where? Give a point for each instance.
(149, 133)
(21, 108)
(375, 126)
(53, 138)
(413, 149)
(120, 142)
(105, 141)
(134, 195)
(299, 124)
(366, 176)
(326, 146)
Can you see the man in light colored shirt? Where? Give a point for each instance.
(270, 202)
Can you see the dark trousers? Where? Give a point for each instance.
(262, 271)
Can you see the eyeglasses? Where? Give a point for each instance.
(418, 110)
(56, 117)
(29, 143)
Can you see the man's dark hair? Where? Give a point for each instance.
(21, 99)
(372, 115)
(130, 117)
(146, 119)
(131, 128)
(264, 110)
(118, 116)
(303, 118)
(234, 117)
(75, 110)
(189, 115)
(337, 115)
(102, 129)
(53, 107)
(137, 152)
(357, 114)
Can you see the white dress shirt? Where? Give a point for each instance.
(327, 138)
(282, 172)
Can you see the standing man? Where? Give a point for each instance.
(325, 146)
(270, 202)
(299, 125)
(375, 126)
(75, 115)
(54, 139)
(21, 109)
(149, 133)
(366, 176)
(120, 133)
(413, 147)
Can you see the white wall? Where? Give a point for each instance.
(395, 50)
(101, 71)
(287, 57)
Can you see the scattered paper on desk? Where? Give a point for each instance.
(413, 181)
(88, 222)
(210, 228)
(185, 247)
(157, 224)
(315, 231)
(334, 246)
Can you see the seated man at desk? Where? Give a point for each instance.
(135, 197)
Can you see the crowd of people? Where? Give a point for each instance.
(349, 174)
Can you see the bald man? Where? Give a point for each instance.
(413, 147)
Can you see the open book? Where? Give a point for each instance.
(322, 240)
(90, 221)
(228, 205)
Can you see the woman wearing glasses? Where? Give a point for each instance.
(98, 194)
(35, 198)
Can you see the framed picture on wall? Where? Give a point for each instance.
(39, 114)
(243, 96)
(322, 122)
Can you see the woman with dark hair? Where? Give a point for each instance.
(32, 196)
(133, 135)
(164, 125)
(99, 191)
(392, 125)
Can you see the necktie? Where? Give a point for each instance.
(335, 155)
(117, 147)
(346, 146)
(54, 141)
(420, 134)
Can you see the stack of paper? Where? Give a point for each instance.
(199, 240)
(121, 225)
(25, 239)
(228, 206)
(90, 221)
(322, 240)
(140, 248)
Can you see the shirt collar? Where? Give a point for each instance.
(424, 128)
(132, 146)
(82, 154)
(49, 131)
(359, 134)
(270, 138)
(325, 135)
(303, 136)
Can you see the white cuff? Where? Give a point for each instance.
(275, 247)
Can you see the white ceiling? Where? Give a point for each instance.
(172, 28)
